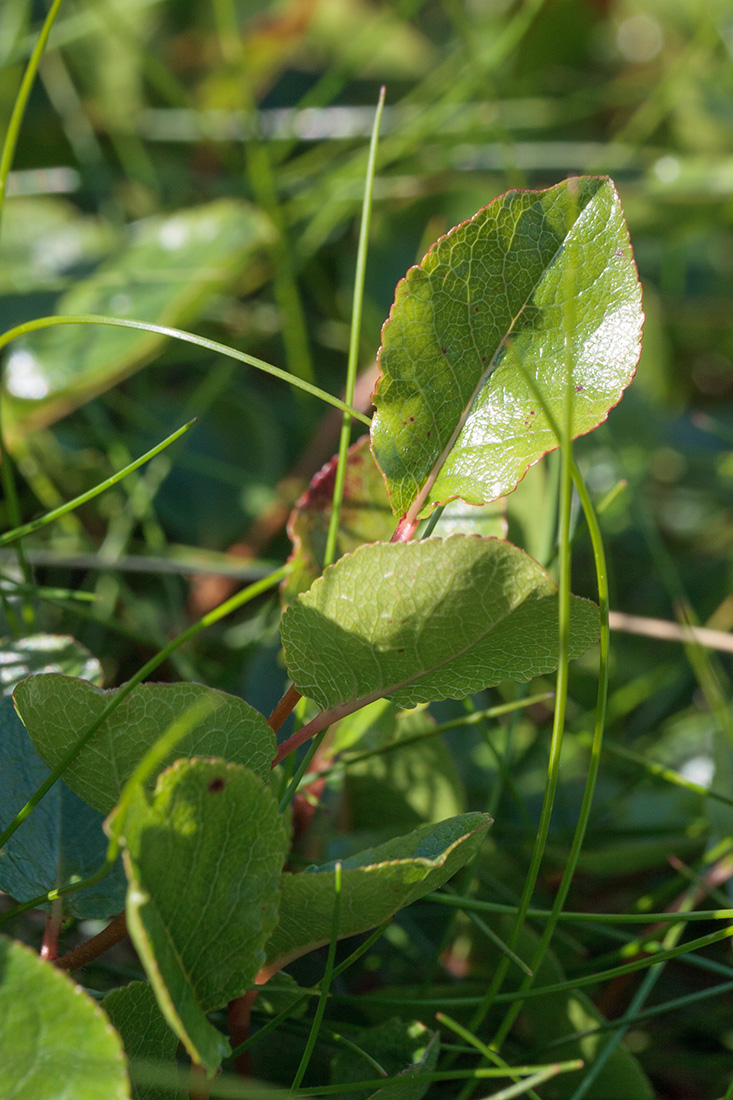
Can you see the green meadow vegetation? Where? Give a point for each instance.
(366, 412)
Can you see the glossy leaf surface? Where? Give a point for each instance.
(55, 1042)
(374, 885)
(424, 621)
(482, 333)
(203, 857)
(57, 710)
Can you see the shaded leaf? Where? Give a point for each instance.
(480, 327)
(61, 842)
(171, 268)
(203, 857)
(55, 1042)
(57, 710)
(407, 1049)
(134, 1011)
(21, 657)
(404, 786)
(374, 885)
(417, 622)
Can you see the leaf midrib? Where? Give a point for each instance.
(418, 503)
(372, 697)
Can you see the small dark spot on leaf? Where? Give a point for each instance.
(400, 651)
(443, 350)
(217, 785)
(619, 252)
(475, 309)
(579, 388)
(412, 419)
(428, 435)
(532, 412)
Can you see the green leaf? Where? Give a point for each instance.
(203, 857)
(405, 1049)
(61, 842)
(21, 657)
(480, 326)
(374, 885)
(171, 268)
(134, 1011)
(424, 621)
(55, 1042)
(57, 710)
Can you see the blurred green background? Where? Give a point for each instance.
(200, 163)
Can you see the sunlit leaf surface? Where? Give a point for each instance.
(55, 1042)
(57, 710)
(538, 292)
(435, 619)
(203, 857)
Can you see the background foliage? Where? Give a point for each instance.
(135, 194)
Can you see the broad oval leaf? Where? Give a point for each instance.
(55, 1042)
(203, 856)
(479, 340)
(374, 885)
(57, 710)
(60, 843)
(428, 620)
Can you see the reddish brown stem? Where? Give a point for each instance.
(50, 945)
(405, 529)
(199, 1089)
(238, 1018)
(115, 931)
(310, 729)
(283, 708)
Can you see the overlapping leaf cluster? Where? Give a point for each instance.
(535, 295)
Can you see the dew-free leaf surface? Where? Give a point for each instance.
(536, 283)
(417, 622)
(57, 710)
(134, 1011)
(62, 841)
(203, 856)
(374, 885)
(167, 272)
(55, 1042)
